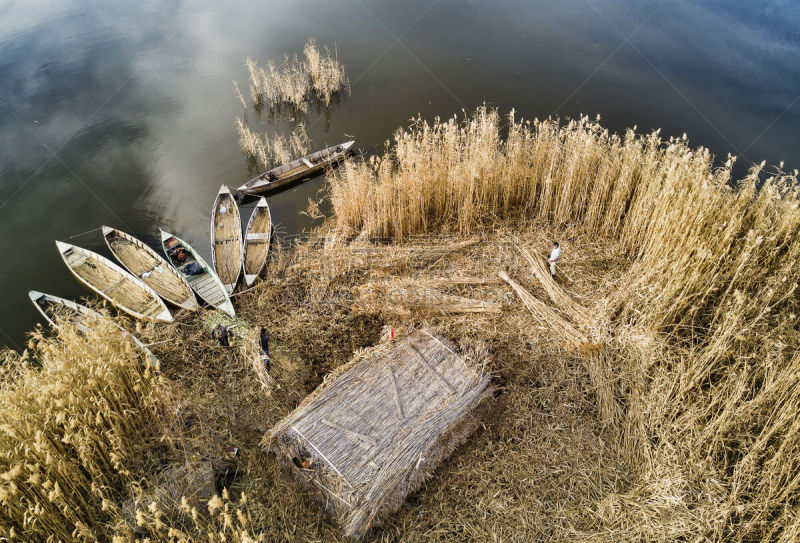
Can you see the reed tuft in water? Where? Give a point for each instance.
(265, 151)
(318, 75)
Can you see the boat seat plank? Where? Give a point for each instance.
(226, 240)
(77, 259)
(258, 236)
(307, 162)
(111, 288)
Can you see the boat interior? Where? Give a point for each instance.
(182, 258)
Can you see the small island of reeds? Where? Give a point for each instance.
(648, 394)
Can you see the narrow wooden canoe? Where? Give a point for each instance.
(226, 239)
(53, 309)
(304, 167)
(257, 241)
(196, 272)
(113, 283)
(149, 266)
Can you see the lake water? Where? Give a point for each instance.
(122, 112)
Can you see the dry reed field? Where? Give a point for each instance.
(650, 394)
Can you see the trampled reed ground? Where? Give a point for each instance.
(676, 420)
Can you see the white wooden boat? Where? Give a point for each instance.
(196, 272)
(226, 239)
(149, 266)
(113, 283)
(258, 235)
(304, 167)
(54, 309)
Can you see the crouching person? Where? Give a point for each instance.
(264, 339)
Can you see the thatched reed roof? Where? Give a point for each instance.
(376, 428)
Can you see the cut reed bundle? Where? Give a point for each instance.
(378, 427)
(546, 315)
(563, 302)
(420, 294)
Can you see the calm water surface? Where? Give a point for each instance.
(122, 112)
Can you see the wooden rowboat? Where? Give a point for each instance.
(55, 309)
(257, 241)
(113, 283)
(226, 239)
(301, 168)
(149, 266)
(196, 272)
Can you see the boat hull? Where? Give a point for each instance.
(146, 264)
(81, 317)
(113, 283)
(257, 239)
(226, 239)
(285, 174)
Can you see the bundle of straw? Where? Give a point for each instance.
(546, 315)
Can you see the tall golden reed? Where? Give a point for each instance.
(266, 151)
(80, 419)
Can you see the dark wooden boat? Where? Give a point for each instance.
(302, 168)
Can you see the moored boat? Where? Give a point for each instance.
(54, 309)
(197, 273)
(149, 266)
(226, 239)
(113, 283)
(258, 235)
(304, 167)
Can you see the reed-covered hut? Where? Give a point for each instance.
(378, 427)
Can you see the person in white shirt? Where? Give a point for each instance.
(555, 254)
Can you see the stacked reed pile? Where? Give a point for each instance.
(379, 426)
(406, 295)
